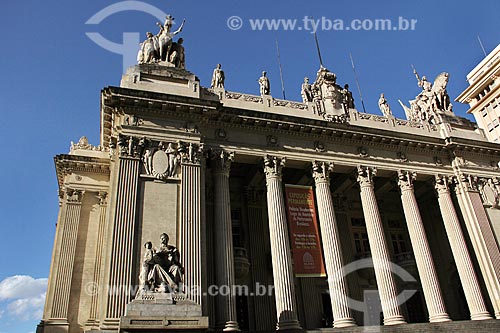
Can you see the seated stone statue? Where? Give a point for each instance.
(161, 269)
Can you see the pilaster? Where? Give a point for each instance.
(121, 276)
(69, 232)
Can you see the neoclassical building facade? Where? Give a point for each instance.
(407, 210)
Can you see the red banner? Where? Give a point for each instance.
(303, 226)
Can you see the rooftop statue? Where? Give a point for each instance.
(160, 48)
(306, 91)
(264, 85)
(384, 106)
(218, 77)
(432, 103)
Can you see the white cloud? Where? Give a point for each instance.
(25, 297)
(22, 286)
(27, 308)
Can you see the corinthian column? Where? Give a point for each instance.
(286, 308)
(223, 243)
(64, 275)
(482, 237)
(460, 252)
(378, 246)
(337, 284)
(423, 255)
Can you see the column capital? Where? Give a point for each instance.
(405, 179)
(442, 184)
(190, 153)
(366, 175)
(467, 181)
(74, 196)
(273, 166)
(321, 171)
(102, 196)
(222, 160)
(130, 146)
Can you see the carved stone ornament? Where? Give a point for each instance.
(319, 146)
(133, 120)
(402, 157)
(366, 175)
(490, 191)
(273, 166)
(83, 144)
(438, 161)
(321, 171)
(405, 179)
(272, 140)
(363, 152)
(220, 133)
(103, 198)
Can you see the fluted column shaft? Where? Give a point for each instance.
(64, 273)
(337, 284)
(378, 246)
(223, 243)
(421, 249)
(286, 308)
(103, 204)
(190, 230)
(460, 252)
(122, 247)
(481, 234)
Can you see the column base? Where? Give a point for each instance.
(439, 318)
(395, 320)
(481, 316)
(497, 315)
(231, 326)
(288, 325)
(344, 322)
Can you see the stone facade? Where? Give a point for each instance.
(207, 166)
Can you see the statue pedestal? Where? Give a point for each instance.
(163, 312)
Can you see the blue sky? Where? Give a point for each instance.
(52, 74)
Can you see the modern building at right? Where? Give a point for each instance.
(483, 95)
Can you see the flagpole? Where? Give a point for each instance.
(281, 70)
(357, 82)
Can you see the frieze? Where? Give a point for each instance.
(319, 146)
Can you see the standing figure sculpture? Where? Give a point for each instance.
(161, 269)
(347, 99)
(384, 106)
(148, 52)
(265, 86)
(176, 56)
(218, 78)
(306, 91)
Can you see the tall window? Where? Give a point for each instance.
(360, 237)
